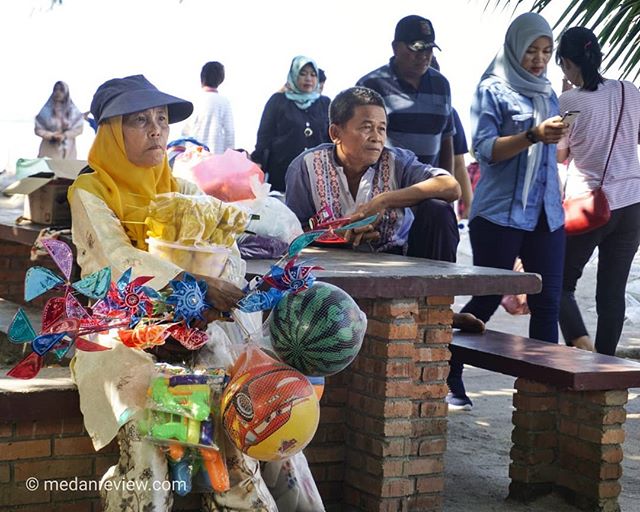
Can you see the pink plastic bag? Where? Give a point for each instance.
(228, 176)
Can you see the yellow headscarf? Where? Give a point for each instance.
(126, 188)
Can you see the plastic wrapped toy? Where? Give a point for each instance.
(270, 411)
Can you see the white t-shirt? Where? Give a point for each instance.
(589, 142)
(212, 122)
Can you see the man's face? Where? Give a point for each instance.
(411, 65)
(361, 139)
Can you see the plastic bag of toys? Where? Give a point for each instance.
(292, 485)
(183, 417)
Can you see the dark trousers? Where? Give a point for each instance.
(617, 243)
(541, 252)
(434, 233)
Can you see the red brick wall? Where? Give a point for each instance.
(49, 450)
(382, 433)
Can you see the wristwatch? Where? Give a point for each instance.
(531, 136)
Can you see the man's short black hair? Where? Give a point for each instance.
(344, 104)
(212, 74)
(322, 77)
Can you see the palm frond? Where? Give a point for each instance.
(615, 22)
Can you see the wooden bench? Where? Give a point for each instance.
(568, 419)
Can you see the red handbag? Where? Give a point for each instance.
(589, 211)
(586, 212)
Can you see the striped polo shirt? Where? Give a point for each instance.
(419, 119)
(589, 141)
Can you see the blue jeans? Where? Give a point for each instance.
(541, 252)
(617, 243)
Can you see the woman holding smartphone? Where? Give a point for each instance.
(517, 210)
(590, 141)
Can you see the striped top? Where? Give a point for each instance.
(419, 119)
(212, 122)
(589, 141)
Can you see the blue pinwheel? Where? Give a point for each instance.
(188, 298)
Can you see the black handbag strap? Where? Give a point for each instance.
(615, 134)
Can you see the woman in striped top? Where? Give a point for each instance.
(587, 145)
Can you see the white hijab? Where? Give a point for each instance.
(523, 31)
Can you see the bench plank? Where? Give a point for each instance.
(549, 363)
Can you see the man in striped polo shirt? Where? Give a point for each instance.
(417, 97)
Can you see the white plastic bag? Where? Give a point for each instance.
(292, 485)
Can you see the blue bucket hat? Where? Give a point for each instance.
(121, 96)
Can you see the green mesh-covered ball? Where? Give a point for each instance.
(318, 331)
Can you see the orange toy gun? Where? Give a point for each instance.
(213, 462)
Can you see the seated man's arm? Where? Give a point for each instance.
(438, 187)
(416, 182)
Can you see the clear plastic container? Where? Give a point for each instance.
(208, 260)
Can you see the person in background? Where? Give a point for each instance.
(460, 149)
(322, 78)
(59, 122)
(517, 208)
(128, 168)
(417, 97)
(212, 119)
(292, 121)
(588, 145)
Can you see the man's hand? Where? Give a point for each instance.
(369, 232)
(366, 233)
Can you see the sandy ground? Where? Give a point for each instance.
(477, 457)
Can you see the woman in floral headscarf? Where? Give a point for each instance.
(292, 121)
(59, 122)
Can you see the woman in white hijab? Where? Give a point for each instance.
(59, 122)
(517, 208)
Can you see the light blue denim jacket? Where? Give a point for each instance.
(498, 111)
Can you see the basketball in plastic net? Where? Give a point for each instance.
(270, 411)
(318, 331)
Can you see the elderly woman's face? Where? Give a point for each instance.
(537, 56)
(145, 136)
(307, 79)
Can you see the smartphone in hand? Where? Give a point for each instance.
(570, 116)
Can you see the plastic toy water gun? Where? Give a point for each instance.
(169, 426)
(213, 463)
(180, 469)
(193, 400)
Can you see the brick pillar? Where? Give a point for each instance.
(590, 451)
(535, 440)
(395, 416)
(429, 425)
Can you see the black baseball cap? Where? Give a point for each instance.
(121, 96)
(417, 32)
